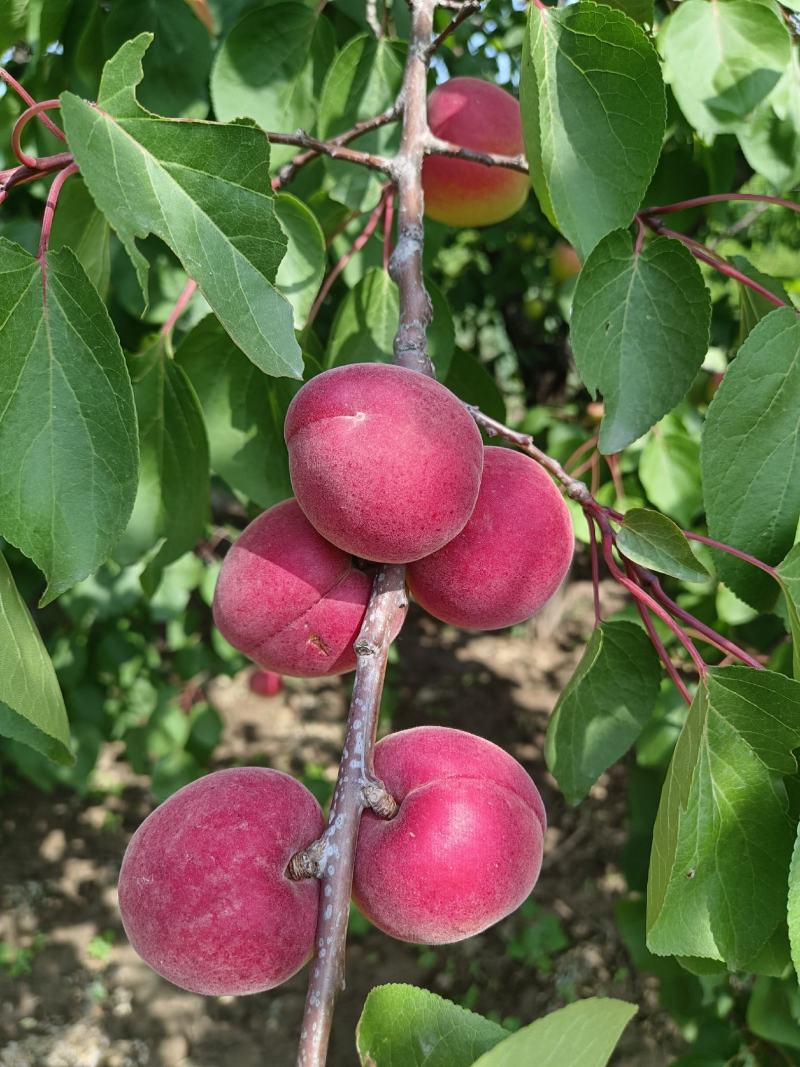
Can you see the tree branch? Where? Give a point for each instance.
(435, 146)
(333, 856)
(467, 8)
(290, 169)
(405, 264)
(356, 786)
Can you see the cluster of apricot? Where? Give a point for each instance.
(388, 466)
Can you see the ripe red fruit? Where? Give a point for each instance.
(265, 683)
(565, 262)
(465, 847)
(385, 462)
(203, 890)
(288, 598)
(510, 557)
(478, 115)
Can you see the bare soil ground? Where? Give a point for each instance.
(59, 857)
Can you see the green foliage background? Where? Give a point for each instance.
(127, 454)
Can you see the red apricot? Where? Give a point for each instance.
(465, 847)
(265, 683)
(288, 598)
(565, 262)
(203, 890)
(478, 115)
(510, 557)
(385, 462)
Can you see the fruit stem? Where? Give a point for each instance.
(22, 122)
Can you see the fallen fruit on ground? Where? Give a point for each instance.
(473, 114)
(203, 890)
(385, 462)
(510, 557)
(289, 599)
(465, 847)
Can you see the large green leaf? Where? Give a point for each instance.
(243, 412)
(750, 457)
(203, 188)
(605, 706)
(655, 541)
(583, 1034)
(639, 332)
(789, 576)
(402, 1026)
(363, 81)
(593, 114)
(177, 66)
(281, 93)
(31, 706)
(722, 59)
(303, 267)
(67, 419)
(723, 836)
(173, 497)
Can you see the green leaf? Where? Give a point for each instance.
(750, 461)
(364, 80)
(638, 10)
(605, 706)
(172, 501)
(723, 837)
(753, 307)
(639, 331)
(655, 541)
(789, 577)
(243, 412)
(593, 114)
(366, 322)
(79, 224)
(67, 419)
(203, 188)
(472, 383)
(303, 267)
(177, 66)
(793, 907)
(583, 1034)
(669, 470)
(280, 94)
(773, 1011)
(722, 59)
(402, 1026)
(770, 138)
(31, 706)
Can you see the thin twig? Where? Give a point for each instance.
(719, 198)
(467, 8)
(22, 174)
(22, 122)
(47, 217)
(334, 149)
(23, 94)
(180, 306)
(701, 252)
(290, 169)
(355, 247)
(435, 146)
(659, 645)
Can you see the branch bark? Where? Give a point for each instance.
(333, 855)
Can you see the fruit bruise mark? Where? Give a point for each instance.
(317, 642)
